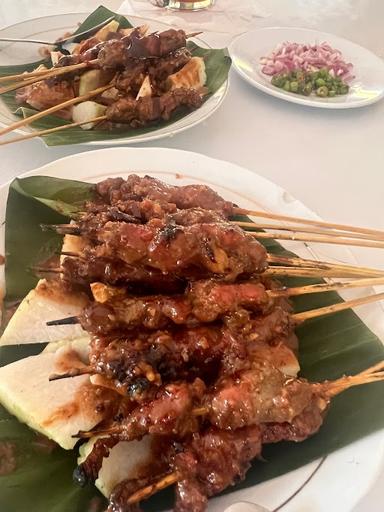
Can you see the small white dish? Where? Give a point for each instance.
(367, 87)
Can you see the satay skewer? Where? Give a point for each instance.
(330, 238)
(287, 292)
(29, 78)
(56, 108)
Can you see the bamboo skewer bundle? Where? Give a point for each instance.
(309, 222)
(38, 76)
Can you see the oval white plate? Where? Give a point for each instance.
(367, 87)
(50, 28)
(341, 479)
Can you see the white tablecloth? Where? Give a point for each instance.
(331, 160)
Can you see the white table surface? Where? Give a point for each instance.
(331, 160)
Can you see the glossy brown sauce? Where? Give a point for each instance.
(68, 360)
(55, 290)
(8, 462)
(91, 401)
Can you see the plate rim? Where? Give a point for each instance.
(215, 101)
(297, 99)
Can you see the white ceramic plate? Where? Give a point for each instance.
(367, 87)
(49, 28)
(336, 482)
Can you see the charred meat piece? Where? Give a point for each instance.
(113, 271)
(222, 249)
(152, 108)
(137, 212)
(118, 53)
(304, 425)
(43, 95)
(212, 461)
(131, 77)
(262, 394)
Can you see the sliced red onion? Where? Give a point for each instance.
(290, 56)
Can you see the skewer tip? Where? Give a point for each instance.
(69, 320)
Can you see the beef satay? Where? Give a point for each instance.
(219, 248)
(203, 302)
(137, 188)
(262, 395)
(222, 248)
(117, 54)
(147, 109)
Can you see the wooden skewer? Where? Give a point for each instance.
(62, 229)
(376, 367)
(69, 320)
(46, 270)
(147, 491)
(41, 133)
(309, 229)
(25, 75)
(75, 372)
(55, 108)
(324, 265)
(372, 374)
(193, 34)
(310, 222)
(320, 239)
(327, 310)
(325, 287)
(54, 71)
(312, 272)
(49, 73)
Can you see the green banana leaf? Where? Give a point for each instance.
(217, 64)
(329, 347)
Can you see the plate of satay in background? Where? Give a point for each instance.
(309, 67)
(161, 346)
(132, 80)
